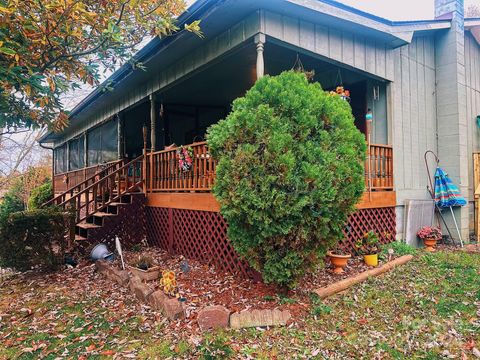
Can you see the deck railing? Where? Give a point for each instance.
(64, 181)
(379, 167)
(164, 173)
(106, 189)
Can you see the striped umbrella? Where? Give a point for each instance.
(447, 195)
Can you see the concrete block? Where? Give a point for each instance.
(260, 318)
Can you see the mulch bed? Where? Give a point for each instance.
(203, 285)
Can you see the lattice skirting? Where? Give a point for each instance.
(202, 235)
(380, 220)
(129, 225)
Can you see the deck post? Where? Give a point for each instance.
(119, 138)
(153, 123)
(144, 162)
(260, 41)
(85, 155)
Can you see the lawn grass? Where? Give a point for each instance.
(429, 308)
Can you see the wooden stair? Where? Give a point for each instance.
(96, 221)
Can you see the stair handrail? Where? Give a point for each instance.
(76, 199)
(80, 185)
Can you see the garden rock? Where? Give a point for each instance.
(141, 291)
(256, 318)
(122, 277)
(119, 276)
(213, 317)
(102, 266)
(173, 309)
(157, 300)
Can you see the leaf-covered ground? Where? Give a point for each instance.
(429, 308)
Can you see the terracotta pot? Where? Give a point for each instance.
(338, 261)
(371, 260)
(430, 244)
(146, 275)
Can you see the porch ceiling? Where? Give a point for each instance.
(217, 84)
(221, 83)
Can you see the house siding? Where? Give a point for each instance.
(472, 87)
(414, 115)
(353, 50)
(414, 125)
(472, 84)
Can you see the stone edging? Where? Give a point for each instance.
(209, 318)
(170, 307)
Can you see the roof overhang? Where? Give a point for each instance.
(343, 17)
(473, 25)
(395, 33)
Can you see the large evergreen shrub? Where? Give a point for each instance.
(34, 238)
(40, 195)
(290, 172)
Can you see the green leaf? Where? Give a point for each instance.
(7, 51)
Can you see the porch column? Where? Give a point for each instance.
(119, 137)
(153, 123)
(85, 150)
(68, 155)
(260, 41)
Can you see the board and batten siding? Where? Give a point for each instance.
(333, 45)
(472, 84)
(414, 125)
(472, 93)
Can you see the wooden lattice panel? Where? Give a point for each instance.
(202, 235)
(129, 225)
(380, 220)
(158, 227)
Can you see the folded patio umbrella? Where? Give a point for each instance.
(448, 195)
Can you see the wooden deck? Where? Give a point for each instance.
(166, 186)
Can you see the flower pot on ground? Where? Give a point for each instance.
(371, 260)
(430, 236)
(339, 260)
(368, 247)
(144, 267)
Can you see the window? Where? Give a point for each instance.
(102, 143)
(76, 153)
(60, 157)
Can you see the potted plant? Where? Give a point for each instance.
(144, 267)
(430, 236)
(339, 259)
(368, 247)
